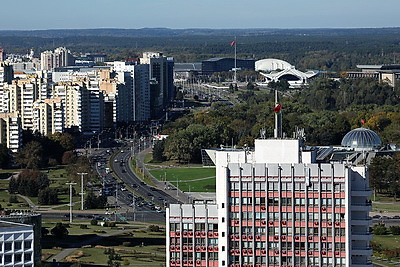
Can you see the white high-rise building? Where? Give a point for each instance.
(133, 92)
(11, 131)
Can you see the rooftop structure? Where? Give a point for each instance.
(362, 139)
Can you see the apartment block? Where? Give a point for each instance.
(11, 131)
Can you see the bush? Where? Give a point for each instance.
(59, 230)
(13, 199)
(153, 228)
(93, 222)
(109, 224)
(379, 230)
(48, 196)
(126, 244)
(395, 230)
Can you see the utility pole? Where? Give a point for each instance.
(70, 200)
(82, 193)
(134, 208)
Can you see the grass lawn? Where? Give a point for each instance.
(390, 207)
(190, 179)
(383, 263)
(133, 242)
(387, 241)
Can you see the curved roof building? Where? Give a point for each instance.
(270, 64)
(361, 139)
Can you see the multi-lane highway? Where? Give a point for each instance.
(131, 197)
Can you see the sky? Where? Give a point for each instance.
(181, 14)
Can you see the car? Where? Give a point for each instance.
(396, 217)
(122, 151)
(385, 218)
(134, 185)
(376, 217)
(123, 171)
(150, 194)
(123, 189)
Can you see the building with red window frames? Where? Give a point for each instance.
(275, 206)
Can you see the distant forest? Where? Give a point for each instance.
(320, 49)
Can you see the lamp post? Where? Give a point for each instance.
(82, 193)
(70, 200)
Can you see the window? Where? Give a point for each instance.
(299, 186)
(287, 186)
(272, 186)
(7, 246)
(246, 200)
(175, 227)
(286, 201)
(17, 257)
(7, 258)
(17, 245)
(247, 186)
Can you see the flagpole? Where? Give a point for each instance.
(235, 62)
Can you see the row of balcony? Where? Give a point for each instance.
(194, 248)
(194, 234)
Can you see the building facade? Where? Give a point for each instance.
(17, 244)
(277, 207)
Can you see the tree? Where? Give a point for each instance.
(4, 156)
(95, 202)
(68, 157)
(158, 151)
(59, 230)
(48, 196)
(31, 156)
(28, 183)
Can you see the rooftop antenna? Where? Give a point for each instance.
(278, 118)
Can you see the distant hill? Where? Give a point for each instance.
(167, 32)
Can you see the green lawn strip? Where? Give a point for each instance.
(384, 263)
(390, 207)
(134, 255)
(136, 245)
(190, 179)
(387, 241)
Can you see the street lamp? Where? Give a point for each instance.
(82, 193)
(70, 200)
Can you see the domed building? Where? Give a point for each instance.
(361, 139)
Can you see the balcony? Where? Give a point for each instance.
(365, 251)
(361, 206)
(361, 193)
(361, 236)
(366, 221)
(359, 264)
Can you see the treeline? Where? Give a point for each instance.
(321, 110)
(340, 51)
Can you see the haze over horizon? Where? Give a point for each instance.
(180, 14)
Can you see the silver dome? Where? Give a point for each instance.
(361, 139)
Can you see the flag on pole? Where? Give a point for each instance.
(233, 43)
(277, 109)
